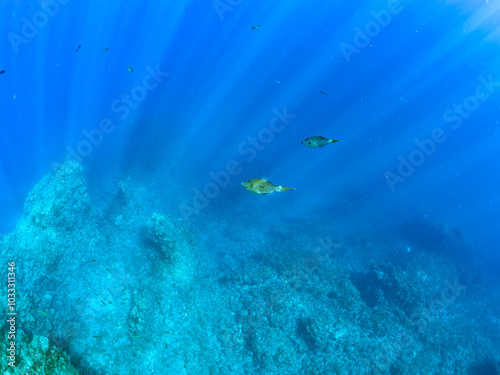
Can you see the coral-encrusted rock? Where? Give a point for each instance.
(36, 357)
(176, 242)
(170, 235)
(60, 200)
(58, 220)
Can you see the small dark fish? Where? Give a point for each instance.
(105, 49)
(324, 93)
(130, 69)
(318, 141)
(77, 48)
(256, 27)
(2, 71)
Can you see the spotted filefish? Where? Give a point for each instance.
(318, 141)
(262, 186)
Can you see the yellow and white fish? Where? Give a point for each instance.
(262, 186)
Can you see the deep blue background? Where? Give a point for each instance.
(222, 89)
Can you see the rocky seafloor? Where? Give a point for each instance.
(133, 289)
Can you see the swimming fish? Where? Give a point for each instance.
(78, 48)
(105, 49)
(262, 186)
(324, 93)
(256, 27)
(130, 69)
(318, 141)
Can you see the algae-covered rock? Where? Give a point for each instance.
(48, 245)
(170, 235)
(58, 219)
(60, 200)
(176, 243)
(37, 356)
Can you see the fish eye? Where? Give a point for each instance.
(309, 142)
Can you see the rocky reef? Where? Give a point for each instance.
(36, 356)
(128, 288)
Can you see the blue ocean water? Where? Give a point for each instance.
(167, 107)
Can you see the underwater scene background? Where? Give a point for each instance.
(130, 246)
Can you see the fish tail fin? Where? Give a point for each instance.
(333, 140)
(284, 188)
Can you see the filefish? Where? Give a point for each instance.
(318, 141)
(256, 27)
(130, 69)
(262, 186)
